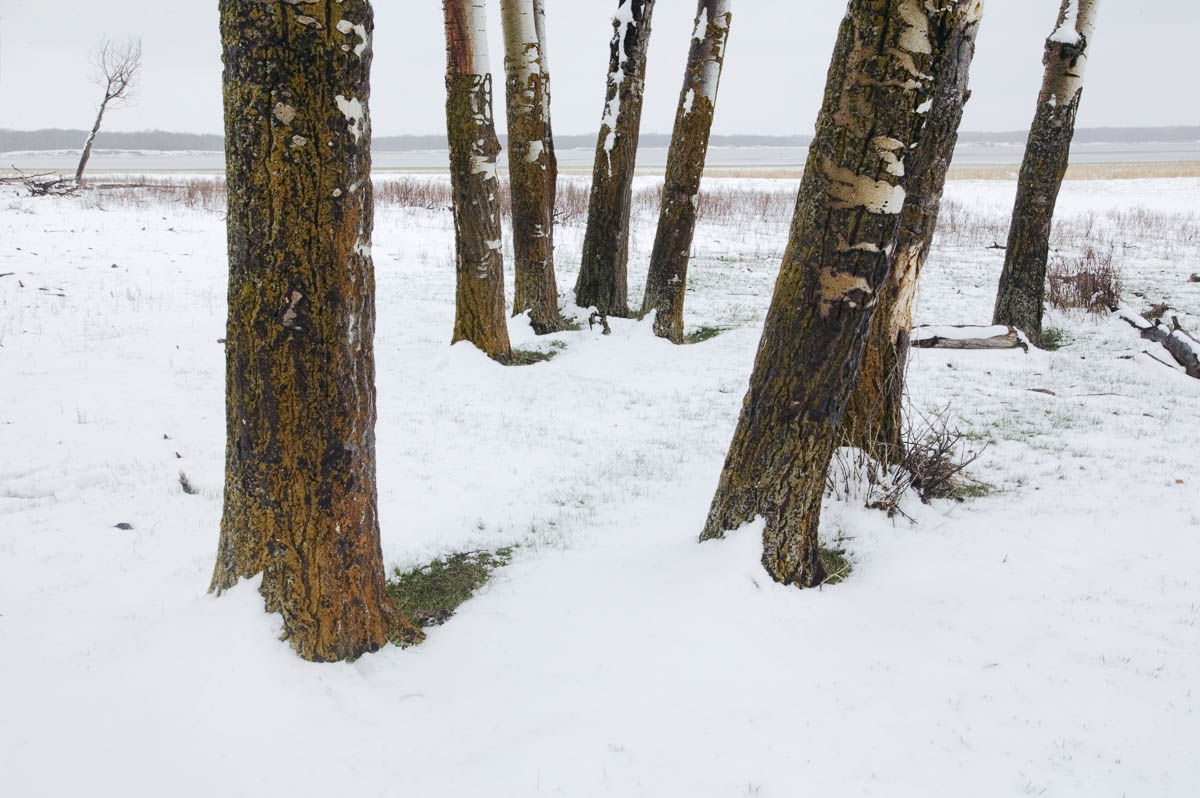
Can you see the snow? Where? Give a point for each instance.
(1044, 639)
(1068, 31)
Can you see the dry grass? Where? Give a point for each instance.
(1090, 282)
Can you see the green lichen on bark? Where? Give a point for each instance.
(889, 56)
(1021, 293)
(603, 270)
(300, 501)
(666, 281)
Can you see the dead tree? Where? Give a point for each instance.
(116, 68)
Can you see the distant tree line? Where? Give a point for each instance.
(58, 139)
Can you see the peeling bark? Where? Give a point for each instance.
(666, 282)
(479, 304)
(300, 494)
(1019, 299)
(873, 416)
(603, 270)
(889, 57)
(530, 162)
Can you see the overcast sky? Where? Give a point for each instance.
(1143, 69)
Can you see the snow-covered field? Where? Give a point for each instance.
(1041, 640)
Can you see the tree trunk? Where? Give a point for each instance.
(889, 57)
(300, 495)
(87, 145)
(479, 306)
(666, 281)
(874, 415)
(603, 280)
(529, 162)
(1020, 296)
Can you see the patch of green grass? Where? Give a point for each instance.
(187, 485)
(429, 594)
(1053, 339)
(837, 565)
(527, 357)
(703, 334)
(969, 488)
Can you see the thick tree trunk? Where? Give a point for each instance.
(603, 279)
(479, 307)
(87, 145)
(890, 56)
(1019, 300)
(529, 166)
(300, 494)
(874, 415)
(666, 281)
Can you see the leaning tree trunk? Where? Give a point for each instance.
(300, 495)
(889, 57)
(479, 305)
(874, 415)
(667, 279)
(603, 279)
(1022, 289)
(87, 145)
(529, 166)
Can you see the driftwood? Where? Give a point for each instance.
(39, 187)
(1182, 347)
(966, 336)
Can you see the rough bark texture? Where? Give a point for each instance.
(888, 57)
(1019, 300)
(603, 280)
(479, 306)
(874, 415)
(530, 162)
(666, 281)
(300, 494)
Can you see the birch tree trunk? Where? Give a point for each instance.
(889, 57)
(1019, 300)
(300, 493)
(86, 155)
(479, 305)
(603, 279)
(874, 416)
(666, 281)
(529, 162)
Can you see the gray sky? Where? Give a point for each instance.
(1142, 69)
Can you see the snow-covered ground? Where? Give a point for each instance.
(1041, 640)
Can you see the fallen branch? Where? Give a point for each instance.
(966, 336)
(1182, 347)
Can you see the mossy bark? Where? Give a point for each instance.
(479, 303)
(889, 57)
(300, 495)
(1019, 299)
(603, 270)
(874, 415)
(666, 282)
(532, 169)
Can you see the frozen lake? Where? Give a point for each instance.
(580, 158)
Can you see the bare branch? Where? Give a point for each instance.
(116, 66)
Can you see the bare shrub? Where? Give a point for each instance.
(931, 462)
(1090, 282)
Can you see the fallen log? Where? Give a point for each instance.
(1179, 344)
(967, 336)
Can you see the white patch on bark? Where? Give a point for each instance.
(483, 165)
(309, 21)
(924, 107)
(536, 148)
(284, 113)
(346, 27)
(886, 148)
(355, 115)
(837, 287)
(1067, 31)
(915, 36)
(687, 101)
(850, 190)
